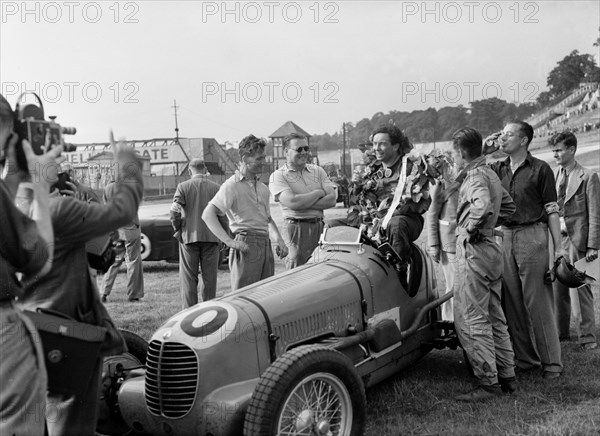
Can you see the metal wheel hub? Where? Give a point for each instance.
(319, 405)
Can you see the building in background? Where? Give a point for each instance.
(165, 161)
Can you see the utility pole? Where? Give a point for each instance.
(176, 125)
(175, 107)
(344, 149)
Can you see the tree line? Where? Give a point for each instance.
(487, 116)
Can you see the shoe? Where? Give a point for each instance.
(134, 300)
(481, 393)
(103, 299)
(508, 385)
(589, 346)
(547, 375)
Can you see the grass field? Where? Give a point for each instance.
(419, 401)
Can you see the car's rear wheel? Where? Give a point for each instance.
(115, 370)
(146, 248)
(310, 390)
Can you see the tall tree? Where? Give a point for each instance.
(571, 71)
(489, 115)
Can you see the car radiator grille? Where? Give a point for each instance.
(171, 379)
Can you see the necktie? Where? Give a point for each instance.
(562, 191)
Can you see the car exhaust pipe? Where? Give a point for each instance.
(387, 327)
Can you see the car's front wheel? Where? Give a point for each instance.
(115, 370)
(310, 390)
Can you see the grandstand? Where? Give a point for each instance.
(578, 112)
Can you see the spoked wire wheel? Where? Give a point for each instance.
(319, 405)
(309, 390)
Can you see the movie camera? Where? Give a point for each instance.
(31, 125)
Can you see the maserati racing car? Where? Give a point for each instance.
(289, 355)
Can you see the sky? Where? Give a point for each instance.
(236, 68)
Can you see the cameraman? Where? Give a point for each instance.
(26, 246)
(69, 289)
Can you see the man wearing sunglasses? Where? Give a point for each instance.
(303, 191)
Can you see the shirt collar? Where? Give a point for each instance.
(528, 159)
(569, 168)
(307, 167)
(239, 177)
(477, 162)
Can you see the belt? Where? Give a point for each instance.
(304, 220)
(484, 232)
(521, 226)
(245, 232)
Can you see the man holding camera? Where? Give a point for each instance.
(69, 289)
(26, 247)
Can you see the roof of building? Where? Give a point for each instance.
(287, 128)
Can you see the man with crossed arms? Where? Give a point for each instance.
(303, 191)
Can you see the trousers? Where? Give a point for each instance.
(301, 238)
(255, 265)
(401, 231)
(191, 256)
(478, 316)
(579, 302)
(448, 262)
(23, 376)
(529, 304)
(133, 260)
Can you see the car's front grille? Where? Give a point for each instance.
(171, 379)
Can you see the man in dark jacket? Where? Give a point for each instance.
(26, 247)
(197, 244)
(68, 287)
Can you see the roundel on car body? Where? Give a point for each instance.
(210, 323)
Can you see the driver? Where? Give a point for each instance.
(376, 192)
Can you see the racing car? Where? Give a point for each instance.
(289, 355)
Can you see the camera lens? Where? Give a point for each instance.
(68, 130)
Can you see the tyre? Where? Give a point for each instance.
(416, 271)
(146, 248)
(308, 390)
(115, 370)
(136, 345)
